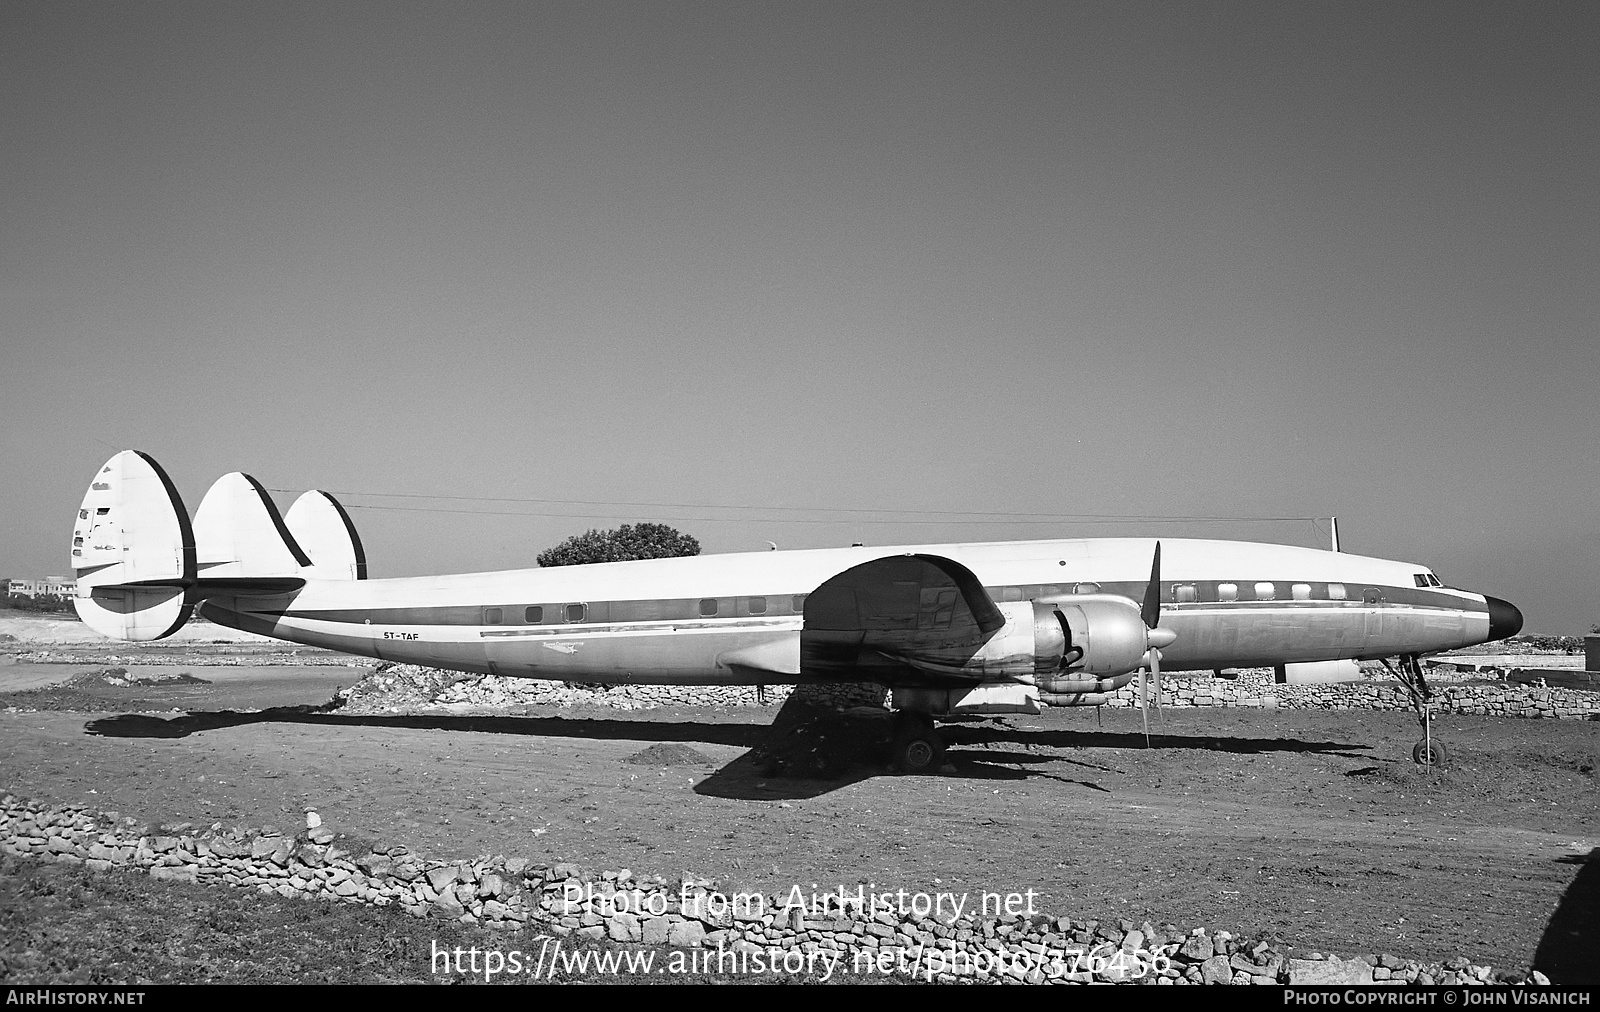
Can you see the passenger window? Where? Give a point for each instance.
(1183, 593)
(491, 616)
(1301, 591)
(1336, 592)
(799, 604)
(1372, 595)
(534, 615)
(1011, 594)
(708, 606)
(1266, 592)
(758, 606)
(1227, 592)
(576, 612)
(1086, 588)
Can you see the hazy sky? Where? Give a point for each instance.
(1235, 260)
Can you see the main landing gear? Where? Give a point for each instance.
(917, 746)
(824, 746)
(1430, 751)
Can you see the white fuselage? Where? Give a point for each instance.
(737, 619)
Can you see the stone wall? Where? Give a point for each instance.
(561, 901)
(1453, 692)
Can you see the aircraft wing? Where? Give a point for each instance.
(902, 620)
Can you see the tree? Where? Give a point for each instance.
(44, 603)
(644, 541)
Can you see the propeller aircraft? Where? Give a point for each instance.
(952, 630)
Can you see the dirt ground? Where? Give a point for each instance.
(1310, 827)
(62, 628)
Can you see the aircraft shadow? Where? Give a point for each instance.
(1566, 952)
(864, 754)
(782, 761)
(994, 734)
(141, 725)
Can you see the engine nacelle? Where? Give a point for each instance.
(1082, 644)
(1032, 642)
(1109, 637)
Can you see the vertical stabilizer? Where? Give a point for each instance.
(323, 528)
(133, 551)
(239, 534)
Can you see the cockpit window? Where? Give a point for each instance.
(1427, 580)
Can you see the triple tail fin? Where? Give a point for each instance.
(142, 566)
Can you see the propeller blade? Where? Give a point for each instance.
(1151, 612)
(1144, 707)
(1155, 676)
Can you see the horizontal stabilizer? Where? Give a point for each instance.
(238, 533)
(226, 586)
(322, 527)
(133, 551)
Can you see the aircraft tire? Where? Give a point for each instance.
(918, 749)
(1422, 755)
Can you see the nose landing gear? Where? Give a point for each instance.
(1430, 751)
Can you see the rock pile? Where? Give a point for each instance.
(391, 688)
(560, 900)
(398, 687)
(120, 677)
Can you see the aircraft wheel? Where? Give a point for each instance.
(1430, 753)
(918, 749)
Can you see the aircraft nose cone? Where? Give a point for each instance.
(1504, 618)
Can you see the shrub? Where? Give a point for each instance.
(628, 542)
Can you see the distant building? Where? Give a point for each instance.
(49, 586)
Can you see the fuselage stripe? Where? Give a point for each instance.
(673, 612)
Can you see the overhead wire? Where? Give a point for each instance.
(855, 514)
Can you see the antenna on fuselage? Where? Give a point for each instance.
(1333, 523)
